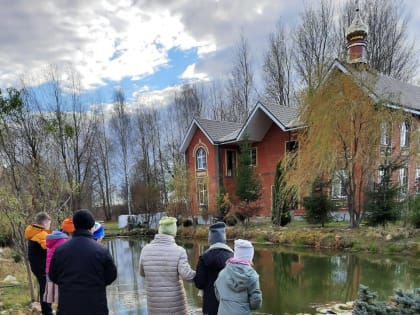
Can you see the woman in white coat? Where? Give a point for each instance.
(164, 265)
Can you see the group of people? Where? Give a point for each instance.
(226, 279)
(73, 269)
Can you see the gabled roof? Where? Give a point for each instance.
(257, 124)
(216, 131)
(395, 92)
(261, 117)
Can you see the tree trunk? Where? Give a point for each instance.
(30, 280)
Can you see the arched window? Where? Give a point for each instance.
(405, 134)
(201, 159)
(385, 133)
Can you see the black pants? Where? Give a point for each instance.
(45, 307)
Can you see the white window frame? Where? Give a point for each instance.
(403, 180)
(252, 154)
(202, 193)
(418, 179)
(385, 133)
(404, 134)
(201, 159)
(337, 187)
(381, 174)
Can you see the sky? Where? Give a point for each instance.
(146, 47)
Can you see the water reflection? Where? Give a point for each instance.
(291, 281)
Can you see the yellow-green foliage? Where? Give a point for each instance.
(343, 133)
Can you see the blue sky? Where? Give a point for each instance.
(147, 47)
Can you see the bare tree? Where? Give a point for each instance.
(71, 129)
(315, 43)
(389, 49)
(216, 101)
(30, 182)
(278, 69)
(187, 105)
(102, 165)
(121, 124)
(241, 89)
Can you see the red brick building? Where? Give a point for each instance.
(211, 151)
(211, 147)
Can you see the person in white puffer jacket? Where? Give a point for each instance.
(164, 265)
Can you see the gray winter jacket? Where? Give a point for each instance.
(164, 265)
(238, 290)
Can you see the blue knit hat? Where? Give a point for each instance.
(217, 233)
(99, 231)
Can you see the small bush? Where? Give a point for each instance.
(381, 203)
(404, 303)
(414, 212)
(318, 208)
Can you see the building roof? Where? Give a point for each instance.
(394, 92)
(215, 130)
(287, 116)
(258, 122)
(219, 130)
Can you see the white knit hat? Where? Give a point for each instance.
(244, 250)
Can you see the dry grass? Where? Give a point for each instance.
(388, 239)
(13, 297)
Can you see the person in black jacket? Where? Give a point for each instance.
(82, 268)
(210, 264)
(37, 253)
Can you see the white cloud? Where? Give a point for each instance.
(103, 40)
(191, 74)
(109, 40)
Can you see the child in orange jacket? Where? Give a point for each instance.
(36, 234)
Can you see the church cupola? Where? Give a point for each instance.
(356, 39)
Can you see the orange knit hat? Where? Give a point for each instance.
(68, 225)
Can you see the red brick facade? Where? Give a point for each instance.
(268, 152)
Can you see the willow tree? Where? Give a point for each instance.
(343, 137)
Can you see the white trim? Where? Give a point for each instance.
(190, 133)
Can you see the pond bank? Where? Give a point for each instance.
(389, 239)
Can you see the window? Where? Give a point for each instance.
(338, 185)
(202, 194)
(201, 159)
(230, 162)
(253, 152)
(418, 179)
(405, 134)
(403, 181)
(381, 174)
(385, 134)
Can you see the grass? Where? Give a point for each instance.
(393, 238)
(13, 297)
(389, 239)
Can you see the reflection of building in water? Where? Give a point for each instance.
(339, 270)
(297, 266)
(291, 280)
(126, 295)
(265, 258)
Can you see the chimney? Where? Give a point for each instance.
(356, 39)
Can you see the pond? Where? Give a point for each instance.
(292, 281)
